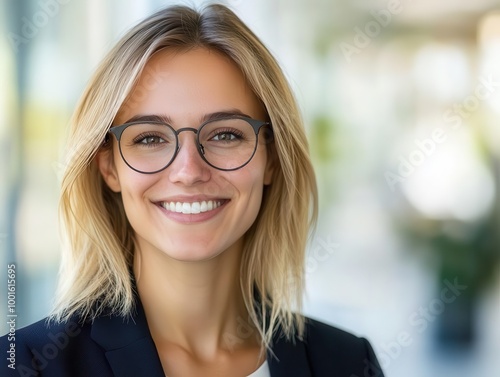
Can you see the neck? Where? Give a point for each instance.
(195, 305)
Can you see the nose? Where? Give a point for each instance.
(188, 167)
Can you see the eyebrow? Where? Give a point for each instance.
(166, 119)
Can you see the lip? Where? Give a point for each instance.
(191, 218)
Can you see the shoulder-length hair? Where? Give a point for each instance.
(98, 242)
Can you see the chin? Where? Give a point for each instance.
(193, 258)
(194, 254)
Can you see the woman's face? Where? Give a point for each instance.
(186, 87)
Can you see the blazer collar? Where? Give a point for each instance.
(131, 352)
(128, 344)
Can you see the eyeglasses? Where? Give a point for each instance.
(227, 143)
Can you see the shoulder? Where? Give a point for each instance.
(47, 347)
(46, 329)
(325, 350)
(318, 334)
(330, 347)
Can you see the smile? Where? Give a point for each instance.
(192, 208)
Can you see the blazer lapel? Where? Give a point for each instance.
(288, 358)
(129, 347)
(131, 352)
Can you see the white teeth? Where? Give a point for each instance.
(203, 207)
(195, 207)
(191, 208)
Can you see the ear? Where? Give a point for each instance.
(106, 164)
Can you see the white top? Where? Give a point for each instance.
(263, 371)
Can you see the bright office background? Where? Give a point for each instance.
(401, 101)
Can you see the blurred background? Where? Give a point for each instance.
(401, 100)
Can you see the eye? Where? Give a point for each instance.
(226, 135)
(149, 139)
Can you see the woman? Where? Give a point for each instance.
(186, 203)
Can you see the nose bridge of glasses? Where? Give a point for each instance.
(184, 129)
(199, 147)
(178, 132)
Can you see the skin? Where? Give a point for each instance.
(187, 266)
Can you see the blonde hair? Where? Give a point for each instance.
(96, 264)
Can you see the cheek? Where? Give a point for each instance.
(134, 185)
(251, 182)
(257, 167)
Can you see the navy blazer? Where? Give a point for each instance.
(115, 346)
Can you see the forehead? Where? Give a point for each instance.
(185, 85)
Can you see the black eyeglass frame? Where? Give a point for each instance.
(117, 131)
